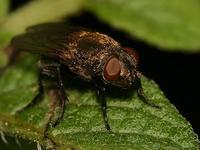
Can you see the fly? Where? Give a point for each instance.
(93, 56)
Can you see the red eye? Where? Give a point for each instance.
(112, 69)
(132, 53)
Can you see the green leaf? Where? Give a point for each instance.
(134, 124)
(173, 25)
(4, 7)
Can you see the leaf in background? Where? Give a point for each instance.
(4, 7)
(170, 24)
(134, 124)
(36, 12)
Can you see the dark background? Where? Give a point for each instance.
(177, 74)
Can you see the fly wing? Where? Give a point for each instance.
(48, 39)
(48, 27)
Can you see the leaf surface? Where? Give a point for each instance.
(134, 124)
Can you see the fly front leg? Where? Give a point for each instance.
(142, 95)
(102, 101)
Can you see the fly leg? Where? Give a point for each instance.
(141, 94)
(57, 95)
(102, 100)
(51, 82)
(61, 95)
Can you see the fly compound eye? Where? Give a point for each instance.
(132, 53)
(112, 69)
